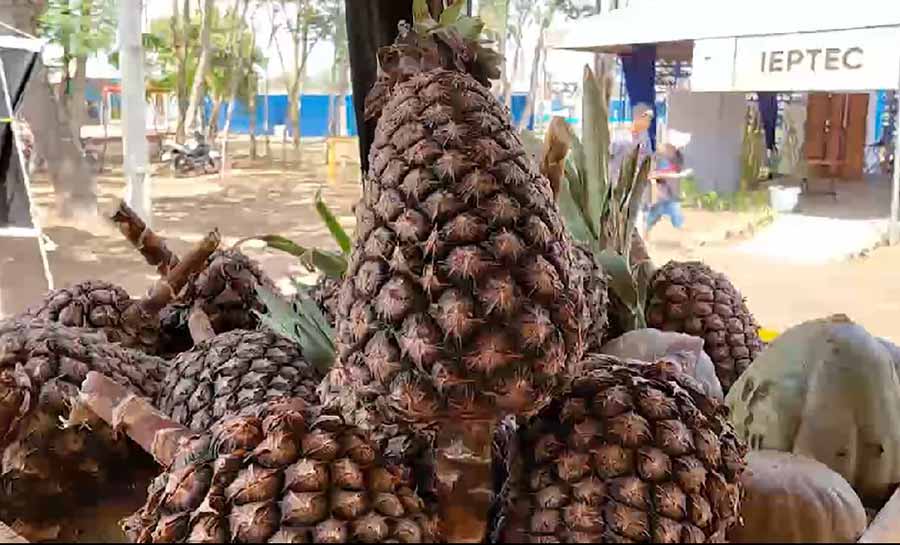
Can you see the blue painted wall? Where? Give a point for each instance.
(313, 114)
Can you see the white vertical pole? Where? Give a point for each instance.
(895, 185)
(134, 109)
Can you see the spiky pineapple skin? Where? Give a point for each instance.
(326, 294)
(692, 298)
(592, 281)
(226, 290)
(46, 464)
(234, 371)
(634, 453)
(280, 473)
(456, 303)
(102, 306)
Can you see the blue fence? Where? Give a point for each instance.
(313, 114)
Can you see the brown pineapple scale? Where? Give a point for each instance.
(458, 282)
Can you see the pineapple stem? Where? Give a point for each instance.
(141, 422)
(148, 243)
(166, 289)
(464, 478)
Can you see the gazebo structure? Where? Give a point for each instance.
(828, 48)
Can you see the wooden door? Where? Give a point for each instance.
(836, 134)
(857, 115)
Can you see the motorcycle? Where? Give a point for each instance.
(199, 158)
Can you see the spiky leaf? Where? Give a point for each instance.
(334, 227)
(331, 264)
(471, 29)
(302, 323)
(620, 279)
(596, 145)
(450, 16)
(278, 242)
(572, 214)
(422, 18)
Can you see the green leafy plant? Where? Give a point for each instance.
(329, 263)
(602, 214)
(301, 322)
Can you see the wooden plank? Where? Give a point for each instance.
(855, 137)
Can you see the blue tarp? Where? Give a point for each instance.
(314, 114)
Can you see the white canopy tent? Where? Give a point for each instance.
(764, 45)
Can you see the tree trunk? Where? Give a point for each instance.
(134, 110)
(299, 77)
(251, 106)
(238, 75)
(535, 78)
(77, 96)
(180, 24)
(196, 96)
(511, 76)
(212, 127)
(74, 185)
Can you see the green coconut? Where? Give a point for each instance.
(828, 390)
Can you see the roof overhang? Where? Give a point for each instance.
(674, 26)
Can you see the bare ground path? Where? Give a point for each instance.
(265, 199)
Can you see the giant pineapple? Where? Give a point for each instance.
(279, 472)
(233, 371)
(692, 298)
(634, 453)
(50, 455)
(456, 309)
(101, 305)
(225, 290)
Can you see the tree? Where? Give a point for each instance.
(337, 24)
(74, 186)
(545, 16)
(306, 20)
(81, 28)
(524, 10)
(196, 95)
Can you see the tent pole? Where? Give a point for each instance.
(26, 177)
(895, 185)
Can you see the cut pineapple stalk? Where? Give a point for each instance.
(148, 243)
(135, 417)
(168, 287)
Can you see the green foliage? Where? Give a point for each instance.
(81, 27)
(301, 322)
(331, 264)
(753, 150)
(600, 214)
(741, 201)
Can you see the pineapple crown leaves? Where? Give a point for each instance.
(598, 212)
(331, 264)
(452, 42)
(301, 322)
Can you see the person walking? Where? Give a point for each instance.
(666, 182)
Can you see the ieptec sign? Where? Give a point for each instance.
(848, 60)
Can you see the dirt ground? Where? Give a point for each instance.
(263, 198)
